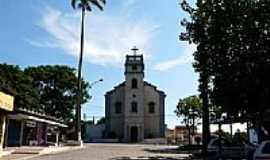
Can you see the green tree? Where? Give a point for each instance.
(196, 33)
(84, 5)
(57, 87)
(232, 40)
(13, 81)
(190, 109)
(101, 121)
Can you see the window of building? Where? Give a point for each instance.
(118, 107)
(134, 67)
(151, 107)
(134, 107)
(134, 83)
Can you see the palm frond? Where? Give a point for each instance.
(73, 3)
(86, 4)
(103, 1)
(80, 5)
(88, 8)
(97, 4)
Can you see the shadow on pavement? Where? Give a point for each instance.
(149, 158)
(166, 151)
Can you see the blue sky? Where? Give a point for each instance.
(38, 32)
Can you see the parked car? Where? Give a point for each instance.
(230, 151)
(263, 151)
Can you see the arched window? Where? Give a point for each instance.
(134, 107)
(118, 107)
(134, 83)
(151, 107)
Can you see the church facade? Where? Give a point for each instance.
(135, 109)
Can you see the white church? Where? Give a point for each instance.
(135, 109)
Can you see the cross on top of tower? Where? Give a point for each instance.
(135, 50)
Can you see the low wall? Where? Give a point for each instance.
(93, 131)
(105, 140)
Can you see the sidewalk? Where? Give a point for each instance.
(23, 153)
(4, 153)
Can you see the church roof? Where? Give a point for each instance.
(145, 84)
(155, 87)
(116, 87)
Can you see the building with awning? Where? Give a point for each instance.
(6, 106)
(27, 127)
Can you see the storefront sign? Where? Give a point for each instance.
(6, 102)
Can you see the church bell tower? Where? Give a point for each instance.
(134, 97)
(134, 63)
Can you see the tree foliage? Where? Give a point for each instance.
(45, 89)
(13, 81)
(233, 47)
(101, 121)
(57, 87)
(189, 108)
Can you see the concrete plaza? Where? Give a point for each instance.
(118, 152)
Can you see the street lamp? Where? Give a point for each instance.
(95, 82)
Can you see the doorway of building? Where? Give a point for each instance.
(14, 133)
(134, 134)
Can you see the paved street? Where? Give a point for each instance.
(117, 152)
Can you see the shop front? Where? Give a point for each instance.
(6, 106)
(26, 128)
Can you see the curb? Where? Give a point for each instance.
(60, 150)
(5, 153)
(52, 152)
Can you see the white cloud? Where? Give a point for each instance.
(185, 58)
(108, 38)
(44, 44)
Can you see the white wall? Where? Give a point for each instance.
(94, 131)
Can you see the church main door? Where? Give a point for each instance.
(134, 134)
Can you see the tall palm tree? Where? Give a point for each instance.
(84, 5)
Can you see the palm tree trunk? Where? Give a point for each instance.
(79, 92)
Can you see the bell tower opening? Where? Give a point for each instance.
(134, 63)
(134, 83)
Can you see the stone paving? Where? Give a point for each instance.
(117, 152)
